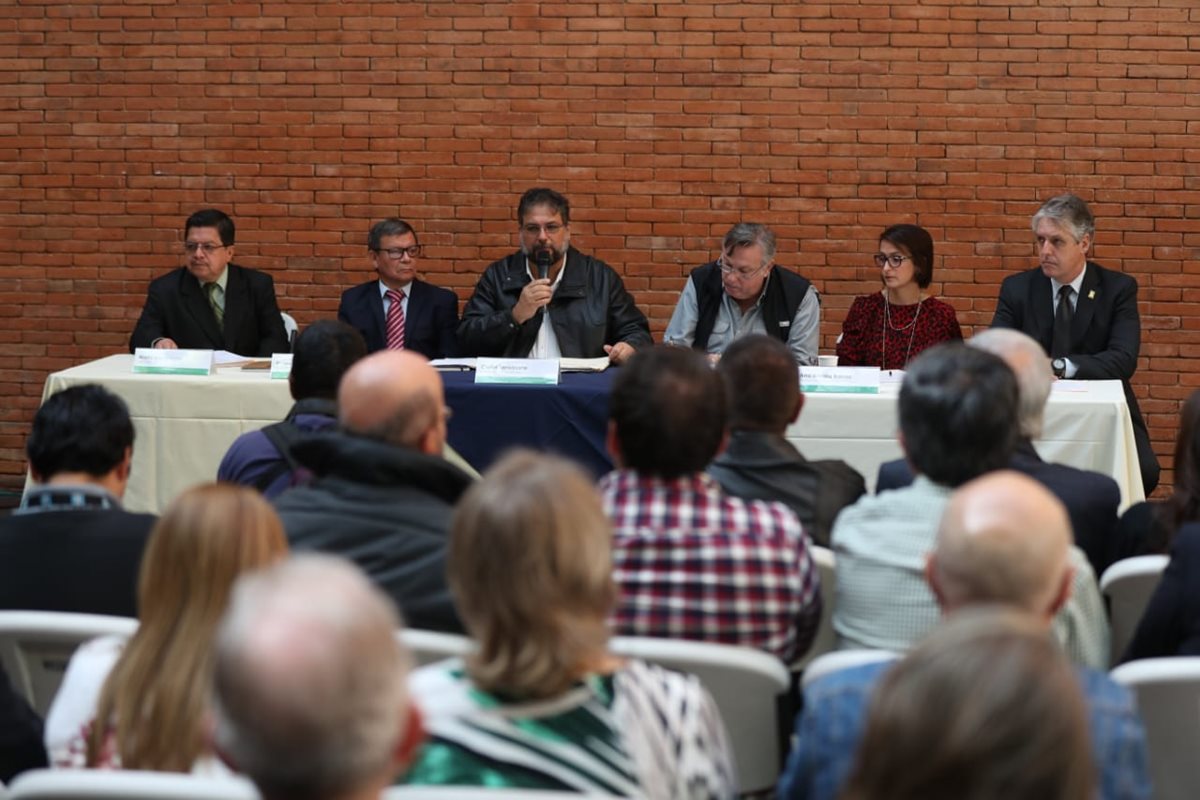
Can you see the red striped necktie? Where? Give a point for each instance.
(395, 320)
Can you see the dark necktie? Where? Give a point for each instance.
(1060, 346)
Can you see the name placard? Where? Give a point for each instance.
(844, 380)
(281, 366)
(543, 371)
(172, 362)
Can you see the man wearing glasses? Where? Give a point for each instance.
(211, 303)
(399, 311)
(744, 292)
(548, 300)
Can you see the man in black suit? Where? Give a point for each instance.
(1091, 498)
(1096, 334)
(211, 303)
(70, 546)
(427, 315)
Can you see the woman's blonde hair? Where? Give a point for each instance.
(155, 698)
(530, 565)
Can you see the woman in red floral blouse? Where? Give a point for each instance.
(887, 328)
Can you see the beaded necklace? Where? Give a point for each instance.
(887, 323)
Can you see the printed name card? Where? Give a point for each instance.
(172, 362)
(281, 366)
(844, 380)
(543, 371)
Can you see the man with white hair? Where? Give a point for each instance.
(311, 698)
(1004, 540)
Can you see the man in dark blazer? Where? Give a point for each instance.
(430, 313)
(70, 546)
(211, 303)
(1100, 329)
(1091, 498)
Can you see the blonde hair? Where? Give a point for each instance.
(530, 565)
(156, 695)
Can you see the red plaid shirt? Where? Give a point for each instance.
(694, 563)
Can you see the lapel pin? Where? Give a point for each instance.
(1092, 294)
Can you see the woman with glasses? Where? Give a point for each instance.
(888, 328)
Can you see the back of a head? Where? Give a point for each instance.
(393, 396)
(310, 680)
(80, 429)
(1029, 362)
(762, 383)
(1004, 539)
(1184, 503)
(985, 708)
(668, 407)
(530, 565)
(324, 351)
(958, 413)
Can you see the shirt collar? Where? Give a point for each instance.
(562, 271)
(405, 290)
(223, 279)
(1075, 284)
(46, 497)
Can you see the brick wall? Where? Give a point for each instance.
(663, 121)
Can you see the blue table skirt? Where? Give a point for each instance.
(569, 419)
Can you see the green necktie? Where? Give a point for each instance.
(216, 299)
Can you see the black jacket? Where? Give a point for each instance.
(385, 508)
(590, 309)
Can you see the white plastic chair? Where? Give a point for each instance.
(839, 660)
(35, 647)
(1128, 585)
(1168, 697)
(826, 640)
(478, 793)
(747, 686)
(98, 784)
(289, 325)
(428, 647)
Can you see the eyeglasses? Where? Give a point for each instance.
(204, 247)
(743, 274)
(551, 229)
(892, 259)
(396, 253)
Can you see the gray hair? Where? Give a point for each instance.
(746, 234)
(1029, 362)
(392, 226)
(310, 681)
(1070, 213)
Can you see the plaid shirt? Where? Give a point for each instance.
(694, 563)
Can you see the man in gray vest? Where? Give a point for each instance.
(743, 292)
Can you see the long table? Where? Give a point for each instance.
(185, 423)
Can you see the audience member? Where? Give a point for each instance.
(1091, 498)
(20, 734)
(1004, 541)
(383, 494)
(958, 420)
(677, 535)
(548, 300)
(211, 303)
(542, 703)
(424, 319)
(985, 708)
(310, 683)
(1170, 625)
(263, 459)
(887, 328)
(762, 382)
(70, 546)
(1097, 333)
(745, 292)
(142, 704)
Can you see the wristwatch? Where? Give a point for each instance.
(1059, 367)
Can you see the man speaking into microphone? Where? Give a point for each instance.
(548, 300)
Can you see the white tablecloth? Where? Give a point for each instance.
(1087, 426)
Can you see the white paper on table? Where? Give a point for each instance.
(598, 364)
(453, 364)
(1064, 385)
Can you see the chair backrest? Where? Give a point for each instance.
(1128, 585)
(747, 685)
(1168, 697)
(289, 325)
(843, 659)
(98, 784)
(35, 647)
(428, 647)
(479, 793)
(826, 640)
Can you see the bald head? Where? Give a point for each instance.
(1029, 362)
(396, 397)
(1004, 539)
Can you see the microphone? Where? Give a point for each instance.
(542, 259)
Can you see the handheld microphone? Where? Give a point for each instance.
(542, 259)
